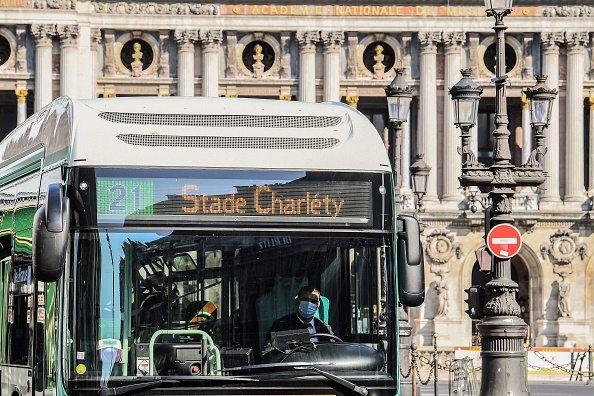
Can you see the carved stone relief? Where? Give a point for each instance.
(440, 248)
(153, 8)
(564, 247)
(56, 4)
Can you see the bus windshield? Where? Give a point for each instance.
(181, 303)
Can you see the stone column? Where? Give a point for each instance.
(43, 35)
(452, 161)
(531, 198)
(21, 105)
(68, 60)
(86, 58)
(427, 126)
(549, 195)
(307, 64)
(574, 129)
(185, 40)
(95, 40)
(591, 146)
(211, 43)
(408, 198)
(332, 42)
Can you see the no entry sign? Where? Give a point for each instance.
(504, 240)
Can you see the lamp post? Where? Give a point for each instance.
(419, 171)
(502, 330)
(399, 96)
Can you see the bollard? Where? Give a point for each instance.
(590, 382)
(435, 358)
(414, 370)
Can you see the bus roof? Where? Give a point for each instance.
(217, 133)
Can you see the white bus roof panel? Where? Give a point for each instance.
(206, 132)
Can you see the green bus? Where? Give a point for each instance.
(148, 245)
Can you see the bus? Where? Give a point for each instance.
(147, 245)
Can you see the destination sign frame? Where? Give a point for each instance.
(131, 201)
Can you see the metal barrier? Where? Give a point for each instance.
(462, 374)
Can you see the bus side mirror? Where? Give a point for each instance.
(51, 226)
(411, 268)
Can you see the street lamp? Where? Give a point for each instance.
(466, 95)
(540, 103)
(501, 329)
(419, 171)
(399, 96)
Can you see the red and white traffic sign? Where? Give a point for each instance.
(504, 241)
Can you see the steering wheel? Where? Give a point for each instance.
(331, 336)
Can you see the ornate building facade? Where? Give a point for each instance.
(346, 52)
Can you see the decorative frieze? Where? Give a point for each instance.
(568, 11)
(154, 8)
(453, 41)
(55, 4)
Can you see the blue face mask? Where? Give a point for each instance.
(307, 309)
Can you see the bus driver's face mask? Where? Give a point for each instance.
(307, 309)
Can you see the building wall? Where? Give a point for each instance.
(315, 53)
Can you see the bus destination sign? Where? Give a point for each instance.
(121, 200)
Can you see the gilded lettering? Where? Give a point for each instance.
(273, 10)
(284, 10)
(192, 198)
(451, 11)
(399, 11)
(293, 10)
(419, 10)
(367, 10)
(265, 10)
(338, 10)
(385, 10)
(302, 10)
(348, 11)
(318, 10)
(255, 10)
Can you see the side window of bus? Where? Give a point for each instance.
(4, 278)
(19, 314)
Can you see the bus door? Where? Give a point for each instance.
(17, 374)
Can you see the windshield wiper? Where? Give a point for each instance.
(361, 390)
(347, 384)
(129, 389)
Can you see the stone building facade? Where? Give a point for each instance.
(347, 52)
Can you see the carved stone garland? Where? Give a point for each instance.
(440, 249)
(563, 248)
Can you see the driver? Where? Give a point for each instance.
(308, 301)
